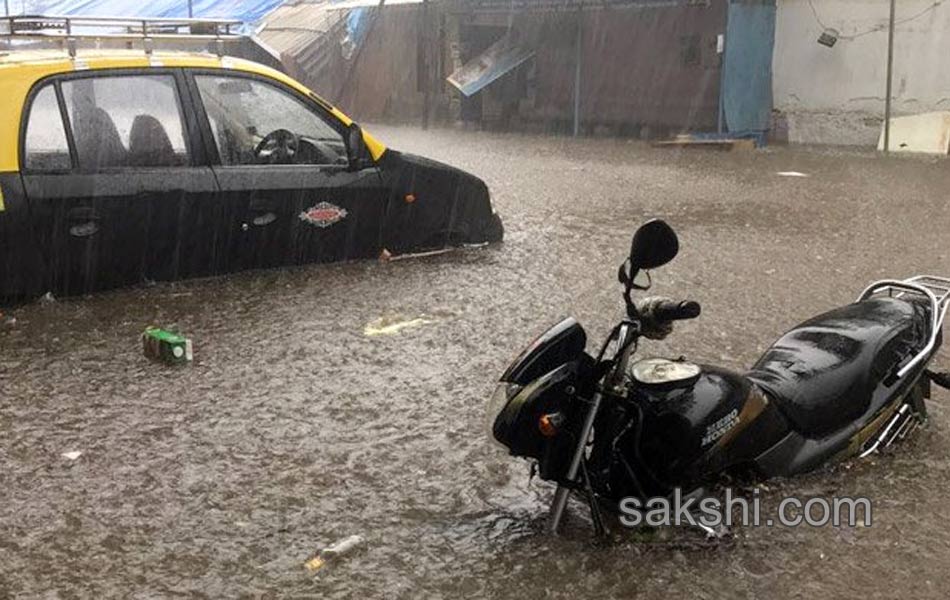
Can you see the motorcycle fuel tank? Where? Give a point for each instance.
(695, 419)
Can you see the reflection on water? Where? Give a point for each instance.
(292, 429)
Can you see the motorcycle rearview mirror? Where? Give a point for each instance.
(654, 244)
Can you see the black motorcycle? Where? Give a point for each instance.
(848, 382)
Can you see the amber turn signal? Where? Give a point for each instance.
(548, 425)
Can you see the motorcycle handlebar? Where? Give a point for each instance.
(669, 310)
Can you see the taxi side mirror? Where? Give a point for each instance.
(356, 150)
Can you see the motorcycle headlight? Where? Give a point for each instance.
(503, 394)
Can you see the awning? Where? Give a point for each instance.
(503, 56)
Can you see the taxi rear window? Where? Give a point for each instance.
(115, 121)
(126, 121)
(46, 146)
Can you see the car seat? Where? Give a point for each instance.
(149, 144)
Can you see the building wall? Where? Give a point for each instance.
(654, 66)
(836, 95)
(651, 69)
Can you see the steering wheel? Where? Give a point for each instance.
(279, 147)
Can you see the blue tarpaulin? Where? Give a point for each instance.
(243, 10)
(747, 82)
(357, 24)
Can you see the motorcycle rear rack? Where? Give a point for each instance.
(935, 289)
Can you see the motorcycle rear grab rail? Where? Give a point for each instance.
(935, 289)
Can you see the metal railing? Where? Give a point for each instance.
(69, 30)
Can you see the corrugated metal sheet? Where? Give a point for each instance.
(378, 79)
(295, 26)
(306, 36)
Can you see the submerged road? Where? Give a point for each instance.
(293, 428)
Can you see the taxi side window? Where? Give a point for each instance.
(257, 123)
(46, 146)
(126, 121)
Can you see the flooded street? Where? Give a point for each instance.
(293, 428)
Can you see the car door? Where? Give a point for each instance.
(281, 165)
(121, 209)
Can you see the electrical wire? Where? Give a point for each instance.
(936, 4)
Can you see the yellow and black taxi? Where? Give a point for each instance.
(119, 166)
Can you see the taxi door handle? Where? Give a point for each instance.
(83, 221)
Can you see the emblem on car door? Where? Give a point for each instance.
(323, 214)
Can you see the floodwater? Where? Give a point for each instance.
(293, 428)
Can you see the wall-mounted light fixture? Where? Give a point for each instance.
(829, 37)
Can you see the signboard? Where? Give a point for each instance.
(503, 56)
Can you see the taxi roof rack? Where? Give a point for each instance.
(71, 29)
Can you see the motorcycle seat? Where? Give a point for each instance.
(823, 373)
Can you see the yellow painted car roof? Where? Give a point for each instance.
(20, 70)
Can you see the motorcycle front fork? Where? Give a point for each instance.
(626, 344)
(576, 467)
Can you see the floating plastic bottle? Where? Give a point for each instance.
(333, 552)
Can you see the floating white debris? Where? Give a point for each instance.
(792, 174)
(422, 254)
(72, 455)
(392, 325)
